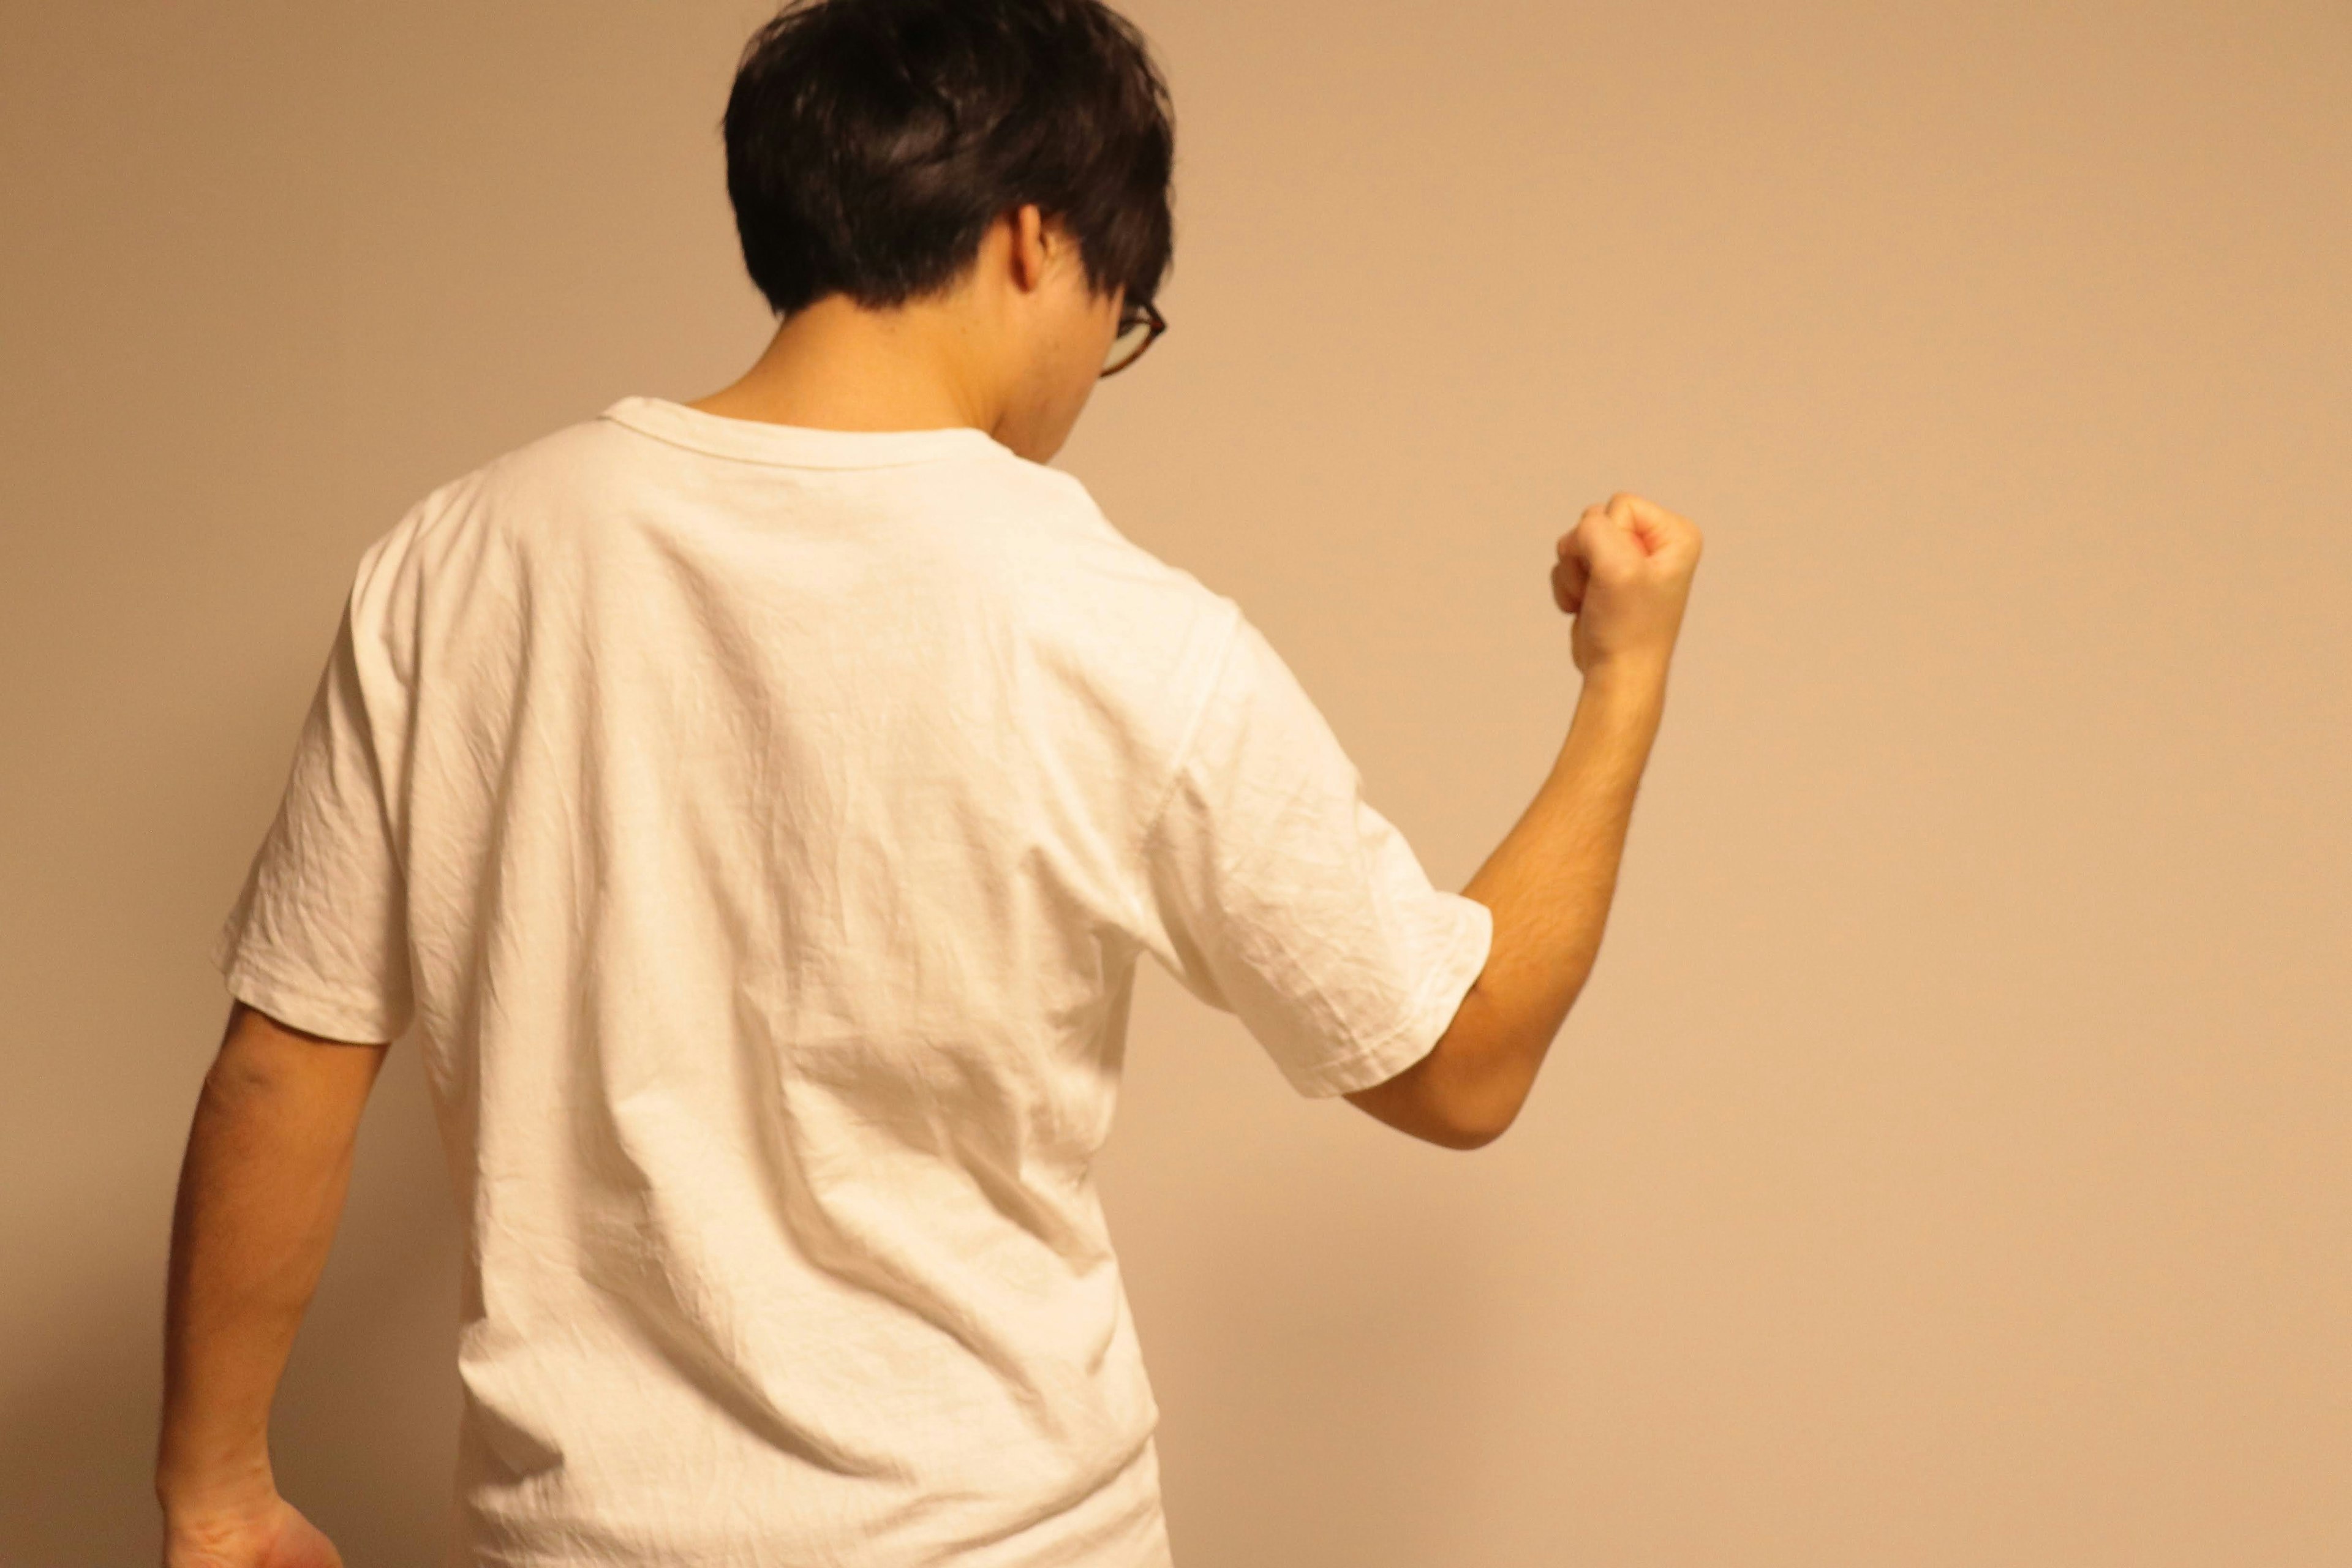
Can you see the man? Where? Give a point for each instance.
(759, 805)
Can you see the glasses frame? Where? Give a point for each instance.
(1155, 320)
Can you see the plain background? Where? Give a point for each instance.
(1947, 1163)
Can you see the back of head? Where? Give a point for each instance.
(870, 142)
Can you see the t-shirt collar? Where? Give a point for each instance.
(795, 446)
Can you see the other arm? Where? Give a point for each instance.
(261, 1190)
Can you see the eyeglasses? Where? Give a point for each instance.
(1138, 326)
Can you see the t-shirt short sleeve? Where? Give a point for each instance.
(1278, 894)
(318, 935)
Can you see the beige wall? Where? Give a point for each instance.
(1948, 1163)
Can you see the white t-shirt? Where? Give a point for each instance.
(759, 824)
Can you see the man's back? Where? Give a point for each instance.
(760, 825)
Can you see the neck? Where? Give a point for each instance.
(834, 365)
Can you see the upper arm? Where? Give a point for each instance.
(1277, 893)
(318, 934)
(1412, 1103)
(1436, 1099)
(259, 1050)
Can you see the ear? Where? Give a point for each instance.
(1029, 241)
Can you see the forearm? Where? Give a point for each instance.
(1549, 885)
(261, 1189)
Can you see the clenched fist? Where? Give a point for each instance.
(1624, 574)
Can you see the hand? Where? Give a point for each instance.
(271, 1533)
(1624, 573)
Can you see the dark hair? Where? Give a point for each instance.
(871, 142)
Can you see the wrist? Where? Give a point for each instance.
(217, 1489)
(1622, 682)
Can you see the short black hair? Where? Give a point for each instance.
(871, 142)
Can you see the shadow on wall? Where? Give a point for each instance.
(364, 1435)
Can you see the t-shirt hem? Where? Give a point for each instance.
(1459, 964)
(262, 985)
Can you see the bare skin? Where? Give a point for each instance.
(261, 1190)
(1624, 573)
(1015, 349)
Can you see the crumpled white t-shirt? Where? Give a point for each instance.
(759, 824)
